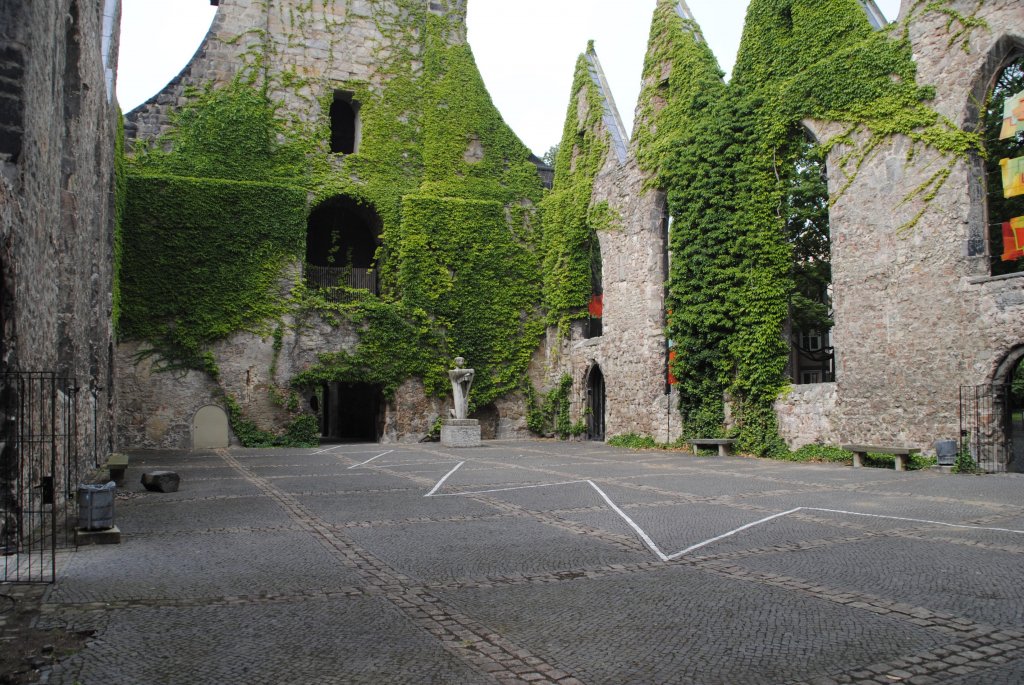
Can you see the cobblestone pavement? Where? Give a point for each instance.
(543, 562)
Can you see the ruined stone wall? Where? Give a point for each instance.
(916, 315)
(806, 415)
(58, 125)
(631, 350)
(318, 43)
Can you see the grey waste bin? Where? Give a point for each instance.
(96, 506)
(945, 452)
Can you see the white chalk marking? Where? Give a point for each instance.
(639, 531)
(903, 518)
(369, 460)
(730, 533)
(446, 476)
(671, 557)
(328, 449)
(517, 487)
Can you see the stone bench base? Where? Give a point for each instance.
(900, 454)
(723, 444)
(460, 433)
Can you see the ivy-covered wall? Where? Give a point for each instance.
(218, 205)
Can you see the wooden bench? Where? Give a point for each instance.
(723, 444)
(117, 464)
(901, 454)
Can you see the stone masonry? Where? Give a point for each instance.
(58, 126)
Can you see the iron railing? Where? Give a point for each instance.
(986, 425)
(329, 278)
(38, 473)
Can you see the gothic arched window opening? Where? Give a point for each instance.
(806, 205)
(1004, 167)
(341, 245)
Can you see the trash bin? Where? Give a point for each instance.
(96, 506)
(945, 452)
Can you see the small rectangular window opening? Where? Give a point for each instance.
(345, 129)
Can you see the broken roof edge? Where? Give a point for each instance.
(611, 116)
(875, 16)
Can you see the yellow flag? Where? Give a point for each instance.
(1013, 176)
(1013, 116)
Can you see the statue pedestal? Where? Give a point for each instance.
(460, 433)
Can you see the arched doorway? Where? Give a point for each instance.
(210, 429)
(595, 404)
(991, 421)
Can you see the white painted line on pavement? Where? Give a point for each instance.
(446, 476)
(328, 449)
(903, 518)
(671, 557)
(517, 487)
(369, 460)
(639, 531)
(730, 533)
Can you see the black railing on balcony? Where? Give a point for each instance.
(328, 278)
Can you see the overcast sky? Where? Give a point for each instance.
(526, 50)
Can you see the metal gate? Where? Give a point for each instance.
(986, 424)
(38, 473)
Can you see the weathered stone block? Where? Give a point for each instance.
(460, 433)
(161, 481)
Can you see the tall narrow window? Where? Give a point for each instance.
(807, 229)
(344, 123)
(595, 326)
(1004, 168)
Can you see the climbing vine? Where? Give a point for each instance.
(217, 217)
(723, 154)
(570, 222)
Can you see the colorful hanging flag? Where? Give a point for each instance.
(596, 307)
(1013, 239)
(1013, 176)
(1013, 116)
(672, 380)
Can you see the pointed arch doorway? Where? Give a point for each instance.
(595, 404)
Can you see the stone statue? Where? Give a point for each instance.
(461, 380)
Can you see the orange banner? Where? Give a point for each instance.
(1013, 239)
(1013, 116)
(1013, 176)
(596, 307)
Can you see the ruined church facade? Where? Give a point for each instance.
(918, 316)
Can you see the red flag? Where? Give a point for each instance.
(672, 380)
(1013, 239)
(596, 306)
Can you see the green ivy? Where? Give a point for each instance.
(570, 222)
(723, 154)
(217, 211)
(550, 414)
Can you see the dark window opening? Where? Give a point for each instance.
(344, 123)
(1004, 168)
(351, 412)
(341, 245)
(809, 325)
(595, 307)
(595, 404)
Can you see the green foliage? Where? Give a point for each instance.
(749, 233)
(965, 462)
(217, 212)
(550, 415)
(570, 237)
(633, 441)
(120, 202)
(202, 258)
(820, 453)
(303, 431)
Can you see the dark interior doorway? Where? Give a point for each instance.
(351, 412)
(595, 404)
(1015, 419)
